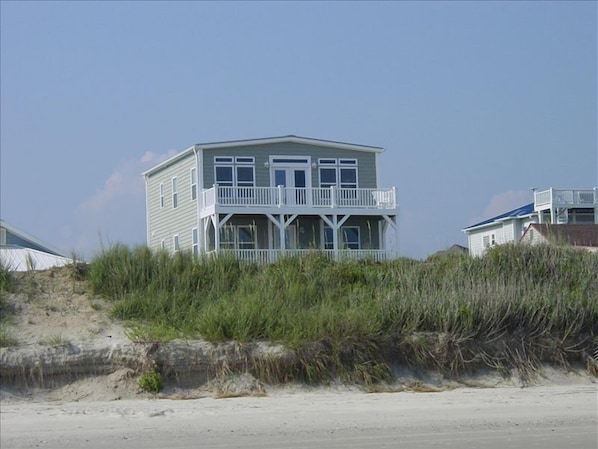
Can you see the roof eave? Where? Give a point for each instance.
(291, 139)
(495, 222)
(169, 161)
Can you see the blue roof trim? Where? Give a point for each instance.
(521, 211)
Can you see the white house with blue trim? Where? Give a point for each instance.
(259, 199)
(550, 206)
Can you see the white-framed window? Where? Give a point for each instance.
(489, 240)
(290, 160)
(338, 172)
(175, 243)
(161, 195)
(238, 237)
(195, 242)
(175, 195)
(349, 238)
(239, 171)
(224, 175)
(193, 180)
(162, 244)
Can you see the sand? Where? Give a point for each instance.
(560, 417)
(56, 320)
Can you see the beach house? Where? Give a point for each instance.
(550, 206)
(259, 199)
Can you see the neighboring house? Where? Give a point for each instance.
(551, 206)
(453, 249)
(583, 236)
(263, 198)
(20, 251)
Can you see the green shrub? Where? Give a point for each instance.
(150, 381)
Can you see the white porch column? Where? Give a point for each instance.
(202, 236)
(281, 229)
(335, 236)
(215, 220)
(282, 225)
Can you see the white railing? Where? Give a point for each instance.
(266, 256)
(557, 197)
(331, 197)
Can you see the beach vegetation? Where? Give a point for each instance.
(513, 309)
(150, 381)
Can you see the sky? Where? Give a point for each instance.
(475, 103)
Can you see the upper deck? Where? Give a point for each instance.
(297, 200)
(551, 198)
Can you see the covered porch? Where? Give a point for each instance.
(264, 238)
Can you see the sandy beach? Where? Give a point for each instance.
(557, 416)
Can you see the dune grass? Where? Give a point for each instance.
(6, 310)
(516, 307)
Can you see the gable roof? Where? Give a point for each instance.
(28, 238)
(571, 234)
(264, 141)
(522, 211)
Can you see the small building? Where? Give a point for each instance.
(551, 206)
(582, 236)
(259, 199)
(20, 251)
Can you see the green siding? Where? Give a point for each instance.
(164, 223)
(366, 161)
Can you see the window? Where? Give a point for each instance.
(224, 176)
(349, 238)
(193, 176)
(238, 237)
(327, 177)
(162, 244)
(246, 237)
(238, 172)
(227, 237)
(245, 176)
(338, 172)
(328, 238)
(290, 160)
(195, 242)
(175, 243)
(488, 240)
(348, 178)
(175, 200)
(161, 195)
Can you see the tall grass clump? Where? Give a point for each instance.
(6, 309)
(6, 281)
(516, 307)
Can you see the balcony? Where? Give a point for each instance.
(552, 198)
(298, 199)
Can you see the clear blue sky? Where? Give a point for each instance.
(474, 102)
